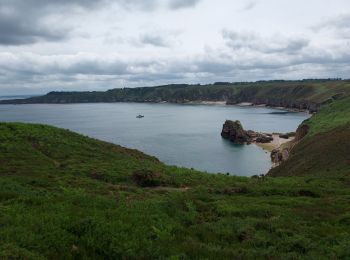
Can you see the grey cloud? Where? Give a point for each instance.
(143, 5)
(16, 31)
(339, 25)
(155, 40)
(253, 42)
(341, 21)
(179, 4)
(249, 6)
(86, 70)
(162, 38)
(24, 22)
(89, 68)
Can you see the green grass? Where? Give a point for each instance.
(325, 150)
(334, 115)
(66, 196)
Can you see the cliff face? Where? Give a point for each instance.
(301, 132)
(276, 102)
(296, 97)
(290, 94)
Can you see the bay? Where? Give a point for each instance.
(183, 135)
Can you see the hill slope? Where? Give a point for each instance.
(306, 94)
(63, 195)
(325, 150)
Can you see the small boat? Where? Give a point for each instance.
(140, 116)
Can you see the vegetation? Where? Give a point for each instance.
(63, 195)
(325, 150)
(330, 117)
(305, 94)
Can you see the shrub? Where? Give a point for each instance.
(147, 178)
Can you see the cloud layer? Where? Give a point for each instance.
(99, 44)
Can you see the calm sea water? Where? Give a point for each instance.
(183, 135)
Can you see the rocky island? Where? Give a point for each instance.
(233, 130)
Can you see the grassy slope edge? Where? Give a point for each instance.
(63, 195)
(325, 150)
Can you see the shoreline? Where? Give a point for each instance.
(242, 104)
(249, 104)
(221, 103)
(276, 143)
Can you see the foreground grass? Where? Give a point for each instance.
(63, 195)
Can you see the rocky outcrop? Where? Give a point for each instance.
(281, 154)
(301, 132)
(233, 130)
(264, 138)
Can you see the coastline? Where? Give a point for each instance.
(292, 110)
(196, 102)
(242, 104)
(276, 143)
(222, 103)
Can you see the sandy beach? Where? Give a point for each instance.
(206, 102)
(276, 143)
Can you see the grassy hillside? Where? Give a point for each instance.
(325, 150)
(63, 195)
(305, 94)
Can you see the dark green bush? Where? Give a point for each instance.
(147, 178)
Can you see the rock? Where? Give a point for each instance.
(263, 138)
(279, 155)
(284, 136)
(251, 134)
(234, 131)
(276, 156)
(301, 132)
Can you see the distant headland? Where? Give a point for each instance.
(307, 94)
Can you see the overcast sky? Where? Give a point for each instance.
(101, 44)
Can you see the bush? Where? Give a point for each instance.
(147, 178)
